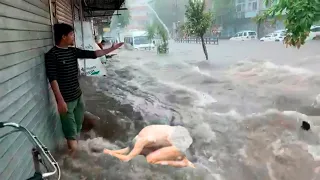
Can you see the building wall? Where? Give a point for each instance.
(140, 14)
(24, 91)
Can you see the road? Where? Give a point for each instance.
(228, 52)
(241, 108)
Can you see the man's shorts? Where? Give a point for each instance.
(73, 119)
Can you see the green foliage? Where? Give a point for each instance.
(157, 29)
(198, 20)
(300, 16)
(163, 46)
(123, 19)
(151, 29)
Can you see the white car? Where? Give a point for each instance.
(314, 32)
(275, 36)
(244, 36)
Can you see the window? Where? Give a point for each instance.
(240, 5)
(245, 34)
(128, 40)
(239, 8)
(252, 33)
(254, 6)
(141, 40)
(316, 29)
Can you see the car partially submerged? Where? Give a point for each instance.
(275, 36)
(244, 36)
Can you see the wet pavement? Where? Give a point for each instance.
(241, 108)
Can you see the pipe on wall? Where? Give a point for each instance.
(81, 21)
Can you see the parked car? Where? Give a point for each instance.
(275, 36)
(280, 31)
(314, 33)
(281, 36)
(244, 36)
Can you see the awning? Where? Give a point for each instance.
(101, 8)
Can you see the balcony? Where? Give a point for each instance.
(240, 15)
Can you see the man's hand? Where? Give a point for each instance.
(116, 46)
(62, 107)
(103, 52)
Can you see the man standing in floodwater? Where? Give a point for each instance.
(63, 72)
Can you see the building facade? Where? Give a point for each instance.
(247, 10)
(140, 13)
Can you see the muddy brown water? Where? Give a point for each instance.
(243, 108)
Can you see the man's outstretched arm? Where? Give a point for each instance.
(85, 54)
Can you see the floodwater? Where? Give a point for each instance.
(243, 108)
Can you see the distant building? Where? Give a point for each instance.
(246, 10)
(140, 14)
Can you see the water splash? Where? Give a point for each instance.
(159, 19)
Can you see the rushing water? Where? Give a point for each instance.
(241, 107)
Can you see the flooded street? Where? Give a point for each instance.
(244, 108)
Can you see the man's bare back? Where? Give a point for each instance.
(161, 144)
(158, 135)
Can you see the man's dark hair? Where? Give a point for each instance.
(61, 29)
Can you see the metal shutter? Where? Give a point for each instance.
(64, 11)
(76, 14)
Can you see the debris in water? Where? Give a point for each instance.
(305, 125)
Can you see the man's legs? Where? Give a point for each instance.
(138, 148)
(179, 163)
(170, 156)
(79, 114)
(69, 127)
(120, 151)
(72, 123)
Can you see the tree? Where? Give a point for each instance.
(121, 20)
(198, 21)
(299, 17)
(164, 36)
(151, 30)
(157, 29)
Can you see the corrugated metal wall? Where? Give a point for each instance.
(64, 11)
(25, 36)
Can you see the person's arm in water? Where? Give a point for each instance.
(51, 71)
(86, 54)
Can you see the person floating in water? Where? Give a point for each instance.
(160, 144)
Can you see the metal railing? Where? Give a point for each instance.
(209, 40)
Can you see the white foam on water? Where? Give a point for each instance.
(265, 72)
(204, 73)
(265, 66)
(203, 98)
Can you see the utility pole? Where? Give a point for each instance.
(176, 18)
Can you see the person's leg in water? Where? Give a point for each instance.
(124, 150)
(71, 124)
(138, 148)
(120, 151)
(170, 156)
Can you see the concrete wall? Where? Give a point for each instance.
(25, 35)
